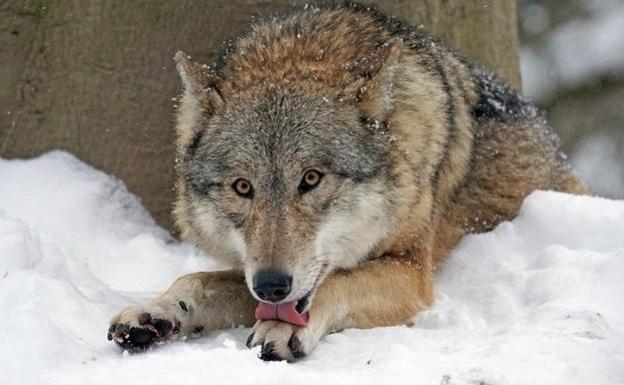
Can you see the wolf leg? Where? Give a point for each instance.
(194, 305)
(380, 293)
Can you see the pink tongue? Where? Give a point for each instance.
(284, 312)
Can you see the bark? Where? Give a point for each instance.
(96, 78)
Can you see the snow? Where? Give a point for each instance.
(539, 300)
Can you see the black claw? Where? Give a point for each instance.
(268, 353)
(162, 326)
(249, 339)
(144, 318)
(198, 329)
(120, 329)
(176, 328)
(111, 330)
(294, 344)
(183, 305)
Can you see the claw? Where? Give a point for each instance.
(268, 353)
(294, 344)
(111, 330)
(249, 340)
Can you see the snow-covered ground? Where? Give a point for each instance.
(539, 300)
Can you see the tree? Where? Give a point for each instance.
(96, 78)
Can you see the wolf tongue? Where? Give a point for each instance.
(284, 312)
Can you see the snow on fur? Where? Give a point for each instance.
(538, 300)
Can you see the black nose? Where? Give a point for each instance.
(272, 285)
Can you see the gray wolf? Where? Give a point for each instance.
(334, 157)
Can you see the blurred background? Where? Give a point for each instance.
(572, 65)
(96, 78)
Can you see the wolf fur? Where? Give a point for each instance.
(417, 146)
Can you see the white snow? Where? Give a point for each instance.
(539, 300)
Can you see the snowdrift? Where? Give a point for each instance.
(539, 300)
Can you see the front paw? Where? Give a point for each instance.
(282, 341)
(137, 328)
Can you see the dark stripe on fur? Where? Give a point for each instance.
(459, 77)
(195, 142)
(450, 118)
(497, 100)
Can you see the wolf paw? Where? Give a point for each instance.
(282, 341)
(137, 328)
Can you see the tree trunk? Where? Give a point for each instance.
(96, 78)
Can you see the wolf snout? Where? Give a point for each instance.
(272, 285)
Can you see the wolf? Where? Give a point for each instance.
(333, 157)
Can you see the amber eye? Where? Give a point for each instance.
(310, 180)
(243, 188)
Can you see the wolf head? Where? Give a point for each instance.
(288, 179)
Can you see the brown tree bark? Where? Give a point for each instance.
(96, 78)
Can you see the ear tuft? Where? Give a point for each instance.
(186, 70)
(200, 98)
(197, 80)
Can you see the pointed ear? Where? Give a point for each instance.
(374, 92)
(201, 97)
(198, 81)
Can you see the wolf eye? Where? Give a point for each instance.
(243, 188)
(310, 180)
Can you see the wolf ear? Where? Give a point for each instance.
(374, 92)
(198, 81)
(201, 97)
